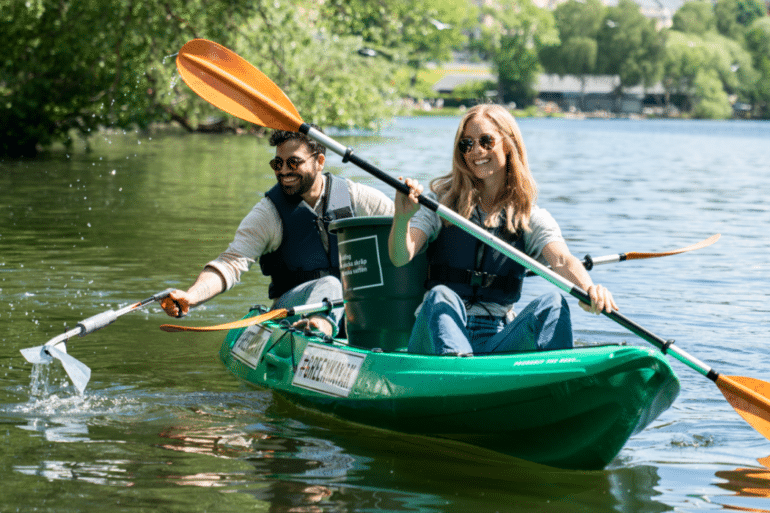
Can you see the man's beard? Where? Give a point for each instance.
(300, 188)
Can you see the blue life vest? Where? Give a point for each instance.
(301, 257)
(473, 269)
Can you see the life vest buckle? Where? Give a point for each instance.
(481, 279)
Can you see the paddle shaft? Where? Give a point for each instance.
(99, 321)
(589, 262)
(508, 250)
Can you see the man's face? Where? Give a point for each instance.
(296, 154)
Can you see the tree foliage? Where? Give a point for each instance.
(76, 65)
(733, 16)
(578, 24)
(512, 34)
(630, 46)
(694, 17)
(712, 100)
(320, 71)
(758, 43)
(70, 66)
(410, 32)
(689, 56)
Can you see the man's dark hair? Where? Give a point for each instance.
(279, 137)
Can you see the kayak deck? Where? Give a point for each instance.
(571, 408)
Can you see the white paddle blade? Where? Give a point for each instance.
(78, 371)
(36, 355)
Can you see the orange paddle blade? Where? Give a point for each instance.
(272, 314)
(229, 82)
(751, 399)
(702, 244)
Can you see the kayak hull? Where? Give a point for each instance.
(571, 408)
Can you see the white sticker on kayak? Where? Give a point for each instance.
(250, 345)
(328, 370)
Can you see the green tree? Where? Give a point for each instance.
(733, 16)
(630, 46)
(685, 57)
(406, 32)
(695, 17)
(321, 72)
(733, 64)
(758, 43)
(688, 55)
(72, 66)
(513, 33)
(578, 23)
(712, 101)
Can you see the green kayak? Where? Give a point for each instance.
(571, 408)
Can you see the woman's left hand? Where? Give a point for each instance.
(601, 300)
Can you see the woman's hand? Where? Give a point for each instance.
(601, 300)
(404, 242)
(408, 205)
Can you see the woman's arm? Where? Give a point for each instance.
(566, 265)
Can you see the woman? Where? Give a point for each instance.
(469, 307)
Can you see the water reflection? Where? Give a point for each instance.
(344, 467)
(100, 473)
(748, 483)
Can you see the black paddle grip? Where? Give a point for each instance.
(393, 182)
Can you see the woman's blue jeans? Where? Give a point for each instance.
(443, 326)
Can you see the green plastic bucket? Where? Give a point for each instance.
(380, 299)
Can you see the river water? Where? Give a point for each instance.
(163, 427)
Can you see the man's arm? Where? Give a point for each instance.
(259, 232)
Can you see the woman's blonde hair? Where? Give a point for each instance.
(459, 190)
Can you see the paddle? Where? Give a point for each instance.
(56, 348)
(229, 82)
(280, 313)
(589, 262)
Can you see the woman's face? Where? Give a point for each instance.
(484, 163)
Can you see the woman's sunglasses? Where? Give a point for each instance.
(466, 144)
(292, 162)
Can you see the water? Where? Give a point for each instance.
(163, 427)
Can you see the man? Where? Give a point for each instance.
(288, 232)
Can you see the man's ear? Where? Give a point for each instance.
(321, 159)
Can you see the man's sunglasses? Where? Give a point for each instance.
(292, 162)
(465, 145)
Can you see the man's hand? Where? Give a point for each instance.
(315, 323)
(176, 304)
